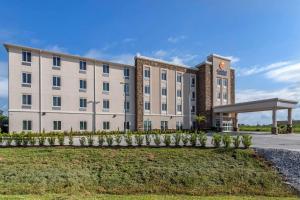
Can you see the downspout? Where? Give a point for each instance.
(40, 93)
(94, 102)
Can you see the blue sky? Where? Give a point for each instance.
(262, 37)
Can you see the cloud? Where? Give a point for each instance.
(56, 48)
(3, 87)
(176, 39)
(233, 59)
(126, 58)
(257, 69)
(288, 73)
(160, 53)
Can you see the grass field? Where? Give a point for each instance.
(265, 128)
(93, 172)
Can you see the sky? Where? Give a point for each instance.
(262, 37)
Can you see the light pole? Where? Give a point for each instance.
(125, 106)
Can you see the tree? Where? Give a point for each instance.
(200, 119)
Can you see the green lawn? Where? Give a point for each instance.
(92, 172)
(265, 128)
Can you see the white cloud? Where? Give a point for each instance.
(289, 73)
(56, 48)
(119, 58)
(257, 69)
(176, 39)
(160, 53)
(177, 60)
(3, 87)
(233, 59)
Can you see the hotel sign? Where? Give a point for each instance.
(221, 70)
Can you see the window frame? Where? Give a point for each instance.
(104, 85)
(82, 65)
(26, 56)
(106, 125)
(55, 80)
(56, 61)
(82, 103)
(125, 71)
(27, 74)
(147, 73)
(28, 101)
(84, 83)
(105, 69)
(83, 125)
(106, 105)
(145, 90)
(27, 125)
(57, 125)
(146, 105)
(58, 100)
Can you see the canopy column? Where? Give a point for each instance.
(290, 121)
(274, 120)
(235, 122)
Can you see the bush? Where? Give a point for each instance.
(157, 140)
(71, 139)
(61, 139)
(227, 140)
(9, 140)
(193, 139)
(82, 141)
(216, 140)
(18, 139)
(41, 140)
(148, 139)
(177, 139)
(90, 141)
(51, 140)
(185, 139)
(110, 140)
(128, 139)
(167, 140)
(101, 140)
(247, 141)
(32, 140)
(25, 140)
(202, 139)
(1, 138)
(236, 141)
(118, 139)
(139, 139)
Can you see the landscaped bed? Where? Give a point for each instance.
(93, 171)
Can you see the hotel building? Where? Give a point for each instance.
(51, 91)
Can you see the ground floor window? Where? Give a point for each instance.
(127, 125)
(147, 125)
(164, 125)
(57, 125)
(106, 125)
(27, 125)
(179, 125)
(83, 125)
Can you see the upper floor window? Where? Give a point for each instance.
(82, 102)
(179, 94)
(147, 72)
(126, 89)
(126, 72)
(26, 99)
(26, 56)
(27, 125)
(56, 101)
(26, 78)
(179, 108)
(193, 95)
(193, 82)
(126, 106)
(164, 75)
(57, 125)
(225, 96)
(56, 61)
(82, 84)
(164, 106)
(193, 110)
(105, 86)
(82, 65)
(179, 78)
(83, 125)
(219, 95)
(164, 91)
(105, 69)
(219, 81)
(147, 89)
(147, 105)
(105, 104)
(106, 125)
(225, 82)
(56, 82)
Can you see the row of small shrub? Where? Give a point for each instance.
(129, 139)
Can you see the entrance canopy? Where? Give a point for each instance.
(256, 106)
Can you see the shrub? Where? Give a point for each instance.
(25, 140)
(51, 140)
(9, 140)
(139, 139)
(71, 139)
(61, 139)
(118, 139)
(110, 140)
(167, 140)
(41, 140)
(90, 141)
(100, 140)
(236, 141)
(226, 139)
(202, 139)
(185, 139)
(216, 140)
(247, 141)
(82, 141)
(193, 139)
(1, 138)
(18, 139)
(128, 139)
(157, 140)
(177, 138)
(148, 139)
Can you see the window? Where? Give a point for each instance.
(164, 107)
(57, 125)
(164, 91)
(179, 77)
(56, 61)
(26, 99)
(126, 106)
(105, 69)
(193, 110)
(179, 93)
(26, 78)
(106, 125)
(127, 125)
(178, 125)
(126, 89)
(26, 56)
(225, 82)
(219, 81)
(83, 103)
(147, 89)
(126, 72)
(179, 108)
(147, 105)
(164, 125)
(56, 101)
(193, 82)
(147, 72)
(164, 75)
(56, 81)
(219, 95)
(193, 95)
(105, 86)
(82, 84)
(82, 65)
(27, 125)
(147, 125)
(225, 96)
(83, 125)
(105, 104)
